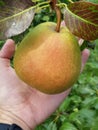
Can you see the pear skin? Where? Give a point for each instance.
(47, 60)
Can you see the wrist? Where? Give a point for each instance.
(9, 118)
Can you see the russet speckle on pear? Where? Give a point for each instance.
(47, 60)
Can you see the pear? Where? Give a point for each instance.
(47, 60)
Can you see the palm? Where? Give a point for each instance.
(17, 97)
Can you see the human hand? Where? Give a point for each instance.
(20, 103)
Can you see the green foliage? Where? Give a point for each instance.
(1, 43)
(67, 126)
(93, 1)
(2, 3)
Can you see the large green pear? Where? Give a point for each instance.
(47, 60)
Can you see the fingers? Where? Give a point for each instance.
(8, 49)
(85, 56)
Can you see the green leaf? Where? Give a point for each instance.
(2, 3)
(76, 99)
(73, 117)
(47, 126)
(64, 105)
(83, 119)
(90, 102)
(86, 116)
(63, 117)
(95, 125)
(51, 126)
(45, 18)
(68, 126)
(93, 1)
(15, 17)
(1, 44)
(96, 104)
(40, 127)
(82, 19)
(86, 90)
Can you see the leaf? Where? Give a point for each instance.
(64, 105)
(1, 2)
(95, 125)
(73, 117)
(40, 127)
(90, 102)
(86, 90)
(68, 126)
(82, 19)
(15, 17)
(93, 1)
(1, 44)
(86, 116)
(51, 126)
(76, 99)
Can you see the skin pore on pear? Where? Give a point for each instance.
(48, 60)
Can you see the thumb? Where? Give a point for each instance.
(8, 49)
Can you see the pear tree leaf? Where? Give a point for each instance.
(82, 19)
(15, 17)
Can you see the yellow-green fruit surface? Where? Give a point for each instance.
(47, 60)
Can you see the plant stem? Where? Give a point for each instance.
(40, 8)
(70, 1)
(53, 4)
(41, 4)
(58, 13)
(62, 5)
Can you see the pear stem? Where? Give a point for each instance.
(58, 14)
(53, 4)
